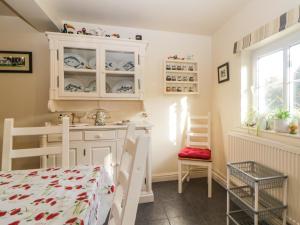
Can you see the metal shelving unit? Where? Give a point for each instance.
(254, 189)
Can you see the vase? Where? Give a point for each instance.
(281, 125)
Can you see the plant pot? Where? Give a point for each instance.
(281, 125)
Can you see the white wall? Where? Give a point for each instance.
(159, 106)
(24, 96)
(226, 96)
(30, 91)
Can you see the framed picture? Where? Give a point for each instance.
(15, 62)
(223, 73)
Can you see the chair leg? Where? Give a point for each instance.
(209, 180)
(189, 173)
(179, 177)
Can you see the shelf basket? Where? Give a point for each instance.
(251, 172)
(242, 217)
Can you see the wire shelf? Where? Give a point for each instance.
(241, 217)
(245, 201)
(251, 172)
(246, 195)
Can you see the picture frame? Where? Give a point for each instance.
(223, 73)
(15, 62)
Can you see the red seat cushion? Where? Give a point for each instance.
(195, 153)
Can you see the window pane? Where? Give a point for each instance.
(270, 98)
(296, 95)
(270, 69)
(295, 62)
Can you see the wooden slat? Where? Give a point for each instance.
(31, 152)
(116, 211)
(7, 144)
(199, 117)
(24, 131)
(199, 144)
(123, 179)
(130, 147)
(198, 134)
(199, 126)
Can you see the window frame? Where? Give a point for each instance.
(283, 44)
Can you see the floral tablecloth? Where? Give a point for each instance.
(78, 196)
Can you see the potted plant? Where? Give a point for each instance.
(281, 120)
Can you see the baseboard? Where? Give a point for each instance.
(161, 177)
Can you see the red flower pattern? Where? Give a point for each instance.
(79, 182)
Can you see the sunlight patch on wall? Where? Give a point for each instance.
(183, 113)
(173, 123)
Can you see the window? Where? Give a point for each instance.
(276, 77)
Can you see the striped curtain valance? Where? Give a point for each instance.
(279, 24)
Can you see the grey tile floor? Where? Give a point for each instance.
(192, 207)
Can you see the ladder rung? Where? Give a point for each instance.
(199, 144)
(199, 117)
(199, 126)
(198, 135)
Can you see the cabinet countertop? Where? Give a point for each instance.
(139, 125)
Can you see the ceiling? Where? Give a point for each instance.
(5, 11)
(187, 16)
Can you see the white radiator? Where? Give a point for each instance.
(281, 157)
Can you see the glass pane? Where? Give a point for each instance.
(270, 98)
(76, 58)
(296, 96)
(270, 69)
(120, 83)
(119, 61)
(80, 70)
(295, 62)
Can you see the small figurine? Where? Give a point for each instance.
(83, 30)
(107, 35)
(68, 29)
(115, 35)
(138, 37)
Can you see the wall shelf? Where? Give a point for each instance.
(180, 77)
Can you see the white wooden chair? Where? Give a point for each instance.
(197, 152)
(130, 179)
(10, 132)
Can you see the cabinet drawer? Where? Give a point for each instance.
(74, 136)
(99, 135)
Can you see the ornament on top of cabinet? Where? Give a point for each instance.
(97, 31)
(68, 28)
(175, 57)
(138, 37)
(115, 35)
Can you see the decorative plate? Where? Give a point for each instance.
(92, 63)
(120, 66)
(73, 85)
(74, 61)
(92, 86)
(123, 86)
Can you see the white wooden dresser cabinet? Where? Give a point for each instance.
(92, 145)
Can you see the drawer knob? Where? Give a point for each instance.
(98, 136)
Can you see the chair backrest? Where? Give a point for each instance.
(8, 153)
(130, 179)
(198, 132)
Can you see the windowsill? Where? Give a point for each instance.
(280, 138)
(272, 132)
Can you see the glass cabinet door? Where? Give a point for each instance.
(79, 71)
(120, 75)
